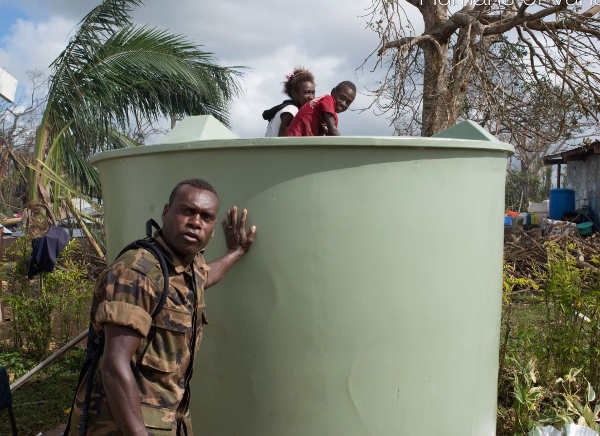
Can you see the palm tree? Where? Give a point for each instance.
(110, 76)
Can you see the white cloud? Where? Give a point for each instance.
(33, 45)
(270, 37)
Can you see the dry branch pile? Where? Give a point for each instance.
(526, 249)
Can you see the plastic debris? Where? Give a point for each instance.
(568, 430)
(578, 430)
(545, 431)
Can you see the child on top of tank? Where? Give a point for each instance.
(300, 87)
(319, 116)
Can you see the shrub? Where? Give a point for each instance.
(550, 345)
(571, 298)
(49, 308)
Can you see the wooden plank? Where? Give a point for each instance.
(21, 381)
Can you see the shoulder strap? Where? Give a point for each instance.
(269, 114)
(149, 244)
(149, 224)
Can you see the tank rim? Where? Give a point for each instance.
(373, 142)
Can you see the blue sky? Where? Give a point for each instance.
(10, 12)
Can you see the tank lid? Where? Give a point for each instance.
(467, 130)
(198, 128)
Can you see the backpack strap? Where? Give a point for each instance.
(95, 345)
(151, 246)
(149, 224)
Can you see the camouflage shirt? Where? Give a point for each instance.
(126, 294)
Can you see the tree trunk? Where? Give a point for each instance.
(84, 228)
(434, 114)
(548, 180)
(35, 220)
(41, 143)
(461, 70)
(525, 176)
(3, 160)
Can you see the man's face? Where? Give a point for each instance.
(343, 98)
(189, 221)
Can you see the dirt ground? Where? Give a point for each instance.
(56, 432)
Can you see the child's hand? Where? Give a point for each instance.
(324, 129)
(329, 126)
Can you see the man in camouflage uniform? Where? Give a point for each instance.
(142, 387)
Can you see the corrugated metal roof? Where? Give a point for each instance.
(578, 153)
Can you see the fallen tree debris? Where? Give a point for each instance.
(526, 250)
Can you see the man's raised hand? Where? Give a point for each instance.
(236, 235)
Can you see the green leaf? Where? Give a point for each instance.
(579, 406)
(113, 76)
(589, 416)
(591, 394)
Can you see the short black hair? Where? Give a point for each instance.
(196, 183)
(345, 84)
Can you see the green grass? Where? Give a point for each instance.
(41, 404)
(527, 319)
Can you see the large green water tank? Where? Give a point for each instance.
(370, 304)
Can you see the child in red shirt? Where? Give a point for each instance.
(319, 116)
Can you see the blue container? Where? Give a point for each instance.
(507, 220)
(561, 201)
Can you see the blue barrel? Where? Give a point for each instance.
(561, 201)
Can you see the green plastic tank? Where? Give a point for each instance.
(370, 303)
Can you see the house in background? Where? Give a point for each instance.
(583, 175)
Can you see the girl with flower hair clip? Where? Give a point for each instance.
(300, 87)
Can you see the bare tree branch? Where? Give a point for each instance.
(526, 71)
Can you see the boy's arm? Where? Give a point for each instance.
(330, 123)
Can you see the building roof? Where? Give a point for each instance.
(578, 153)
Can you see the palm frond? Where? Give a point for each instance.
(97, 25)
(67, 160)
(156, 72)
(112, 69)
(117, 139)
